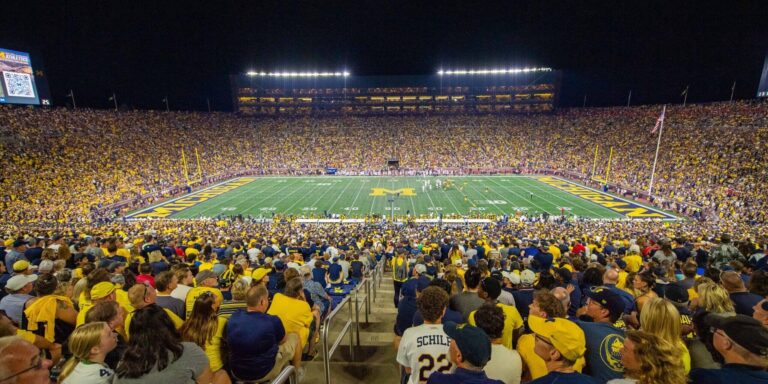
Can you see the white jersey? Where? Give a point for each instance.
(424, 349)
(90, 374)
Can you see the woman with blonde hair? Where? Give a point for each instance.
(649, 359)
(89, 344)
(714, 298)
(661, 318)
(206, 329)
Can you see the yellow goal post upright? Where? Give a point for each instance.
(599, 179)
(198, 176)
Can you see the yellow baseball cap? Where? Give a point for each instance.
(259, 273)
(21, 266)
(102, 290)
(565, 335)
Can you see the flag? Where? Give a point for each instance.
(659, 121)
(685, 91)
(111, 98)
(70, 93)
(165, 99)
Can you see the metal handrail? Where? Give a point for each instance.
(288, 373)
(328, 352)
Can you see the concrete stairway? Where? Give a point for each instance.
(374, 361)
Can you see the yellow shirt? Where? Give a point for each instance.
(535, 364)
(512, 321)
(622, 282)
(213, 346)
(397, 262)
(634, 263)
(85, 305)
(295, 315)
(555, 251)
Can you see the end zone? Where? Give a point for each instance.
(173, 206)
(627, 208)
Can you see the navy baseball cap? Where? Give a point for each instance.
(607, 299)
(474, 344)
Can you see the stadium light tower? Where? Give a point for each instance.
(484, 71)
(344, 73)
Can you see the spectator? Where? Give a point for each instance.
(505, 364)
(239, 290)
(22, 361)
(18, 288)
(293, 310)
(743, 344)
(185, 279)
(156, 354)
(468, 301)
(489, 291)
(743, 300)
(470, 350)
(450, 315)
(113, 314)
(165, 283)
(145, 275)
(649, 359)
(660, 318)
(206, 329)
(259, 346)
(427, 339)
(604, 340)
(50, 315)
(559, 343)
(89, 344)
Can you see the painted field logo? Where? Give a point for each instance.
(385, 191)
(625, 207)
(174, 206)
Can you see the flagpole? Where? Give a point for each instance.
(72, 95)
(656, 158)
(733, 88)
(209, 104)
(685, 99)
(167, 109)
(114, 98)
(584, 104)
(629, 98)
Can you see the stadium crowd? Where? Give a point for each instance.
(82, 163)
(92, 300)
(538, 302)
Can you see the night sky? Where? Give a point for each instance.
(146, 50)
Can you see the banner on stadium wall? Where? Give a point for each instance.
(331, 170)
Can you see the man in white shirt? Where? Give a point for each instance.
(425, 349)
(185, 280)
(505, 364)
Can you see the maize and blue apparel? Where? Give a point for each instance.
(253, 339)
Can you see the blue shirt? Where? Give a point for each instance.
(523, 298)
(564, 378)
(604, 345)
(334, 272)
(318, 275)
(254, 339)
(728, 374)
(461, 376)
(744, 301)
(626, 297)
(406, 308)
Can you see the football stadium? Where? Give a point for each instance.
(404, 193)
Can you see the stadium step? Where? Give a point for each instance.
(375, 358)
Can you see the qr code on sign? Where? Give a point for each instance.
(18, 84)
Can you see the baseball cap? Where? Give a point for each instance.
(259, 273)
(497, 275)
(19, 281)
(22, 265)
(474, 344)
(279, 265)
(743, 330)
(102, 290)
(527, 277)
(219, 268)
(203, 275)
(676, 293)
(607, 299)
(20, 242)
(514, 278)
(420, 269)
(565, 335)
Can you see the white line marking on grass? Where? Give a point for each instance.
(516, 194)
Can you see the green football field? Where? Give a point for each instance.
(358, 196)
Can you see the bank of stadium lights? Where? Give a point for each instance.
(506, 71)
(298, 74)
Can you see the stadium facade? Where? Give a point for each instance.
(449, 92)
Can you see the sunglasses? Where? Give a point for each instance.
(38, 365)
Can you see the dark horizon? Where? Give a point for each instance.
(145, 51)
